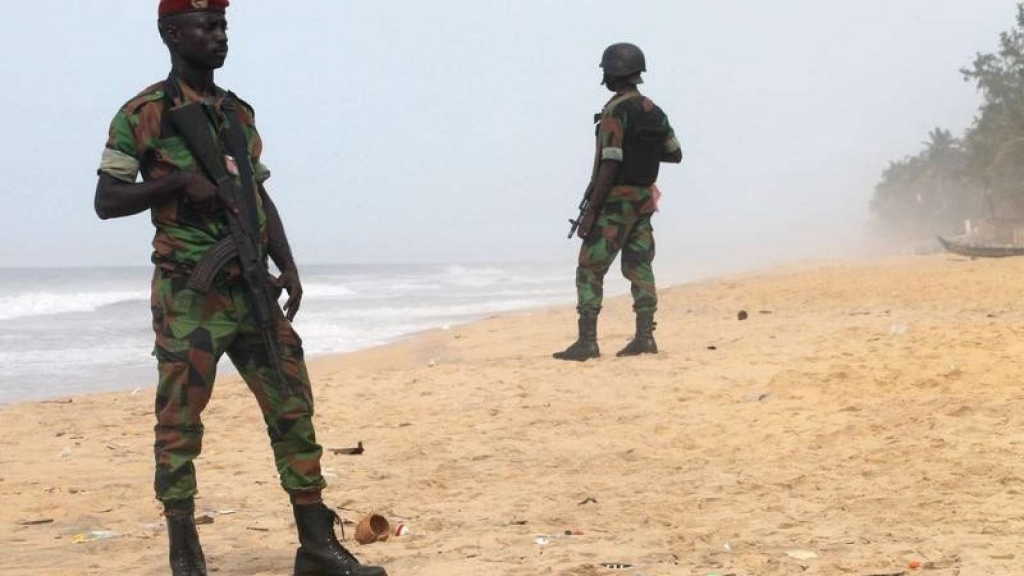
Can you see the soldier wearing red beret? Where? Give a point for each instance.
(200, 317)
(172, 7)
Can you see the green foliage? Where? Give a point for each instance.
(978, 176)
(930, 192)
(996, 140)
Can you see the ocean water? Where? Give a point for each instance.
(67, 331)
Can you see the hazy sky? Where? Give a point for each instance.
(460, 131)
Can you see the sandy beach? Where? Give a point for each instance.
(866, 416)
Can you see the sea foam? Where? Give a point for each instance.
(49, 303)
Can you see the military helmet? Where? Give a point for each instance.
(623, 59)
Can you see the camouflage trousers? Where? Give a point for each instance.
(618, 228)
(193, 331)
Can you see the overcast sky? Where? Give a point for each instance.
(460, 131)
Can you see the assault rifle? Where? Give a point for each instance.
(584, 206)
(194, 126)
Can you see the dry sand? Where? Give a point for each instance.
(872, 414)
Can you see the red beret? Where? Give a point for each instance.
(171, 7)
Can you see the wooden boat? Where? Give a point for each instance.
(977, 248)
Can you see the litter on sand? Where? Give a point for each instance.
(94, 535)
(350, 451)
(801, 554)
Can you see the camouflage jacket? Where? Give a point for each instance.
(139, 144)
(614, 120)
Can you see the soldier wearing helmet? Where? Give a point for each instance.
(633, 137)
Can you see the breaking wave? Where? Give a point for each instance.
(50, 303)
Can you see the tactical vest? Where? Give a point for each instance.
(643, 144)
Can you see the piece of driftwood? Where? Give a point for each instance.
(350, 451)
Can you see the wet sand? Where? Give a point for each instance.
(865, 414)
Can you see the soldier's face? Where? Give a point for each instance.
(201, 38)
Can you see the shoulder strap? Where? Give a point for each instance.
(238, 147)
(615, 102)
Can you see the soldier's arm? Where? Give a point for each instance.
(116, 198)
(278, 247)
(603, 184)
(280, 252)
(118, 193)
(672, 151)
(610, 135)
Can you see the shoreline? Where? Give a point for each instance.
(227, 371)
(92, 327)
(620, 292)
(864, 416)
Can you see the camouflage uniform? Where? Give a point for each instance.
(622, 224)
(194, 330)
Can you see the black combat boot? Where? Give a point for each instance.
(643, 342)
(320, 553)
(186, 555)
(585, 346)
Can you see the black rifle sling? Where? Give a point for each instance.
(192, 123)
(597, 148)
(237, 146)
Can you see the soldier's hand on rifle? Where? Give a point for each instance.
(586, 226)
(290, 283)
(200, 191)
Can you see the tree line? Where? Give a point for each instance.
(978, 176)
